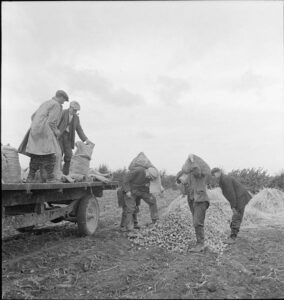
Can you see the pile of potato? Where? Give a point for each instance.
(175, 231)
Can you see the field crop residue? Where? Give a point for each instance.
(53, 262)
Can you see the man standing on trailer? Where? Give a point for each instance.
(238, 197)
(68, 124)
(40, 142)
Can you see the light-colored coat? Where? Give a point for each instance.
(41, 139)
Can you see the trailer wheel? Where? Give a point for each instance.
(88, 215)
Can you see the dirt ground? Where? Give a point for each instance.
(53, 262)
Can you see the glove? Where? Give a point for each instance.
(128, 194)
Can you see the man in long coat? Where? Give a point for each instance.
(238, 197)
(40, 142)
(195, 177)
(68, 124)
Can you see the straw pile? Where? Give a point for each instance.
(175, 231)
(264, 205)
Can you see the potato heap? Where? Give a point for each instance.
(175, 231)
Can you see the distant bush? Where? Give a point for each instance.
(168, 181)
(277, 181)
(119, 175)
(103, 168)
(256, 179)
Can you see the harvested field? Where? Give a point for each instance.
(52, 262)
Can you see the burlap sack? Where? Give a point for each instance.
(156, 185)
(141, 160)
(12, 169)
(79, 165)
(58, 163)
(205, 169)
(84, 150)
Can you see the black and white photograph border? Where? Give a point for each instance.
(142, 149)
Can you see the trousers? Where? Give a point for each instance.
(198, 211)
(66, 148)
(149, 199)
(45, 164)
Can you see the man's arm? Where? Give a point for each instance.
(80, 131)
(53, 118)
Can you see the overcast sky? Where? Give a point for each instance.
(166, 78)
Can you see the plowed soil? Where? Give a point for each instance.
(53, 262)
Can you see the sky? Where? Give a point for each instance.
(166, 78)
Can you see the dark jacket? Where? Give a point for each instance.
(73, 126)
(136, 180)
(234, 191)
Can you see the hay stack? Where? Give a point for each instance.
(269, 201)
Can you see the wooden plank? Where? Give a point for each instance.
(13, 198)
(47, 186)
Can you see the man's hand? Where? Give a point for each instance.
(88, 142)
(128, 194)
(57, 132)
(234, 211)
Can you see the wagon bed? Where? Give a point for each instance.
(25, 205)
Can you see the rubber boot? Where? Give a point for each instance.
(66, 167)
(129, 222)
(48, 165)
(136, 226)
(199, 247)
(33, 168)
(231, 239)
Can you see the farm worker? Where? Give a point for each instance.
(136, 185)
(196, 179)
(40, 142)
(238, 197)
(69, 123)
(123, 202)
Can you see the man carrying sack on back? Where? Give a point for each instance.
(137, 186)
(68, 124)
(40, 142)
(195, 174)
(238, 197)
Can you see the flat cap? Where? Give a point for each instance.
(61, 93)
(75, 105)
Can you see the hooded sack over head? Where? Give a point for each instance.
(197, 161)
(141, 160)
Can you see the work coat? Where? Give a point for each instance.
(74, 125)
(234, 192)
(40, 138)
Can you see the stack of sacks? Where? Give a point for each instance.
(95, 175)
(141, 160)
(11, 169)
(80, 162)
